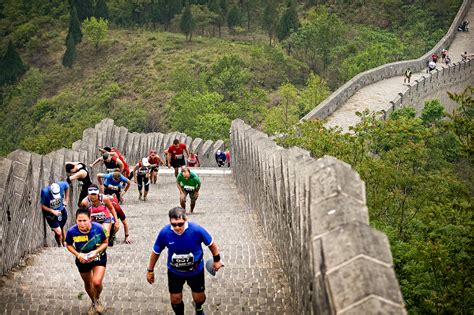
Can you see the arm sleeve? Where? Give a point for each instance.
(160, 243)
(69, 240)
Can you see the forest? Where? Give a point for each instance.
(194, 66)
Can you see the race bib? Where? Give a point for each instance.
(111, 170)
(183, 262)
(112, 187)
(143, 172)
(55, 203)
(188, 188)
(178, 156)
(98, 217)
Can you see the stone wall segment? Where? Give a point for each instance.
(314, 212)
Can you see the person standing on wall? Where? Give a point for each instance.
(175, 155)
(188, 184)
(87, 241)
(54, 199)
(185, 259)
(78, 171)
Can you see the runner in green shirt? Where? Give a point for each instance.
(188, 183)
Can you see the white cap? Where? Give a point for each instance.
(145, 162)
(219, 151)
(56, 191)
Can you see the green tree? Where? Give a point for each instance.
(74, 27)
(85, 8)
(11, 64)
(187, 23)
(270, 20)
(96, 30)
(280, 118)
(70, 54)
(203, 17)
(288, 23)
(315, 92)
(101, 10)
(228, 77)
(234, 18)
(432, 112)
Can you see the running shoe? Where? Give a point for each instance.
(91, 310)
(99, 307)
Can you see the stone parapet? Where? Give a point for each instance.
(23, 174)
(342, 94)
(314, 212)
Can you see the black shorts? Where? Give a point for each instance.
(83, 193)
(175, 163)
(53, 220)
(176, 282)
(88, 267)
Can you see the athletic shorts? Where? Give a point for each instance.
(175, 163)
(53, 221)
(191, 194)
(88, 267)
(176, 282)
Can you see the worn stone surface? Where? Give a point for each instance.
(251, 282)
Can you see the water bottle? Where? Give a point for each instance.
(60, 216)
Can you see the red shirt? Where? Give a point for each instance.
(153, 160)
(177, 152)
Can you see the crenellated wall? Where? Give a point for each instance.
(314, 212)
(23, 174)
(342, 94)
(453, 78)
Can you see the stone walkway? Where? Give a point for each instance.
(376, 96)
(250, 283)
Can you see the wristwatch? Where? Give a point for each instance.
(149, 270)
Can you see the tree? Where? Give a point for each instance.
(70, 54)
(11, 64)
(101, 10)
(234, 18)
(203, 17)
(84, 8)
(187, 23)
(74, 27)
(288, 23)
(219, 7)
(270, 20)
(96, 30)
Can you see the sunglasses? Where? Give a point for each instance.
(152, 152)
(180, 224)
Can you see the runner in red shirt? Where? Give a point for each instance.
(175, 155)
(155, 162)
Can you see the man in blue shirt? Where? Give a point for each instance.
(111, 184)
(185, 258)
(87, 241)
(54, 200)
(220, 158)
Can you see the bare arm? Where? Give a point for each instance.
(150, 275)
(111, 208)
(215, 254)
(120, 165)
(96, 161)
(79, 175)
(50, 210)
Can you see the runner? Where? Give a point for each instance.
(112, 163)
(188, 183)
(220, 158)
(54, 200)
(78, 171)
(112, 184)
(87, 241)
(185, 259)
(175, 156)
(155, 162)
(193, 160)
(141, 176)
(114, 152)
(121, 216)
(227, 157)
(102, 211)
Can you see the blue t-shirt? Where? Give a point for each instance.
(113, 184)
(220, 157)
(48, 200)
(185, 256)
(85, 243)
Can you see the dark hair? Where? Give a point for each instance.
(69, 167)
(83, 210)
(177, 213)
(108, 149)
(175, 141)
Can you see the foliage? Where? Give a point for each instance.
(234, 18)
(228, 77)
(74, 27)
(288, 22)
(96, 30)
(415, 195)
(270, 20)
(101, 10)
(70, 54)
(187, 23)
(85, 8)
(12, 66)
